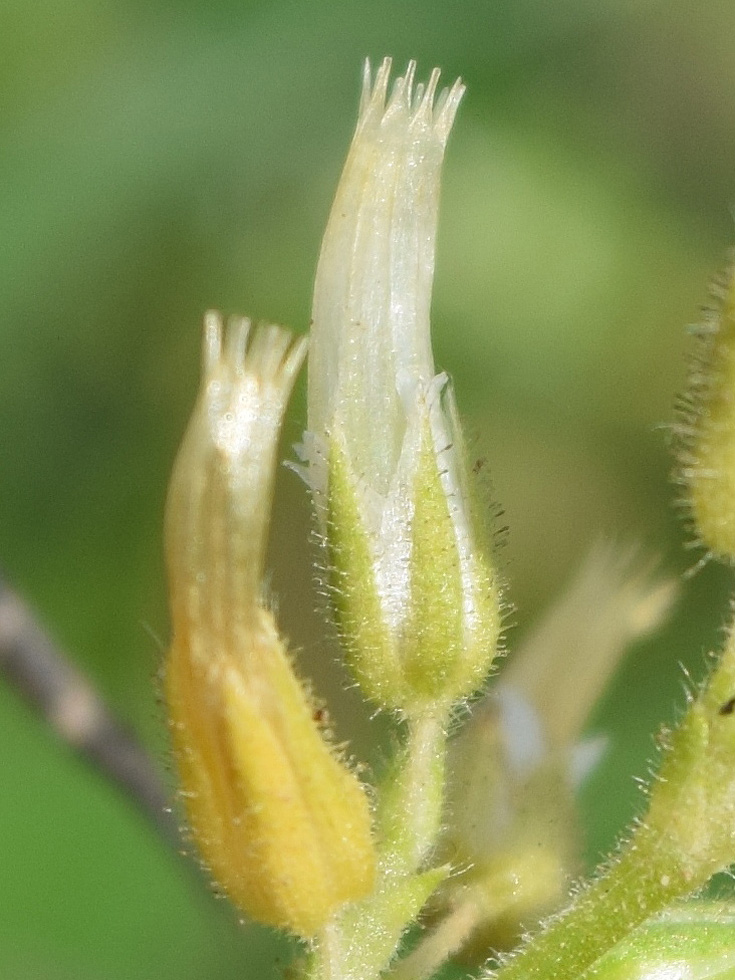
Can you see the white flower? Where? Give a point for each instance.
(371, 364)
(381, 422)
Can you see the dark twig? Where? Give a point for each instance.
(68, 702)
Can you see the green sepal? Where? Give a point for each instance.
(443, 648)
(369, 647)
(448, 651)
(433, 637)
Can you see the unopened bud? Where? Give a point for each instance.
(511, 817)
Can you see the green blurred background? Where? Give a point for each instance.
(158, 158)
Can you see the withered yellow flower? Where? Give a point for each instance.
(282, 824)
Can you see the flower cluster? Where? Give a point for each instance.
(479, 833)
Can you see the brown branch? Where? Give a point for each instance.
(56, 689)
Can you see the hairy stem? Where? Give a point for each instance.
(411, 800)
(642, 882)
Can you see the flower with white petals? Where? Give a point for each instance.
(416, 600)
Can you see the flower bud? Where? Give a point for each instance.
(707, 426)
(511, 824)
(281, 823)
(511, 815)
(416, 600)
(686, 835)
(563, 667)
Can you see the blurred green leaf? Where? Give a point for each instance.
(160, 158)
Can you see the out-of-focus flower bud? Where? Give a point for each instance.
(416, 598)
(685, 836)
(514, 768)
(511, 826)
(564, 665)
(706, 428)
(282, 824)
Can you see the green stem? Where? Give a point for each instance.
(326, 961)
(643, 881)
(363, 938)
(412, 797)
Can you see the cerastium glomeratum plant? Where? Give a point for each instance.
(474, 838)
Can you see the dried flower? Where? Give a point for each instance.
(281, 822)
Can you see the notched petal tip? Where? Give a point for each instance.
(211, 341)
(236, 343)
(247, 376)
(267, 353)
(445, 109)
(418, 108)
(228, 456)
